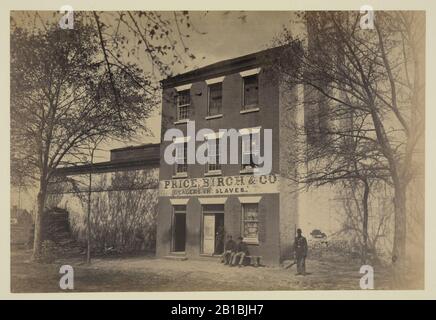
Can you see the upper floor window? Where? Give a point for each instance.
(250, 150)
(251, 91)
(215, 99)
(213, 155)
(183, 102)
(181, 166)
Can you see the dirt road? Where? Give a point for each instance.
(141, 274)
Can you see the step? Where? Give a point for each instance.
(178, 253)
(176, 257)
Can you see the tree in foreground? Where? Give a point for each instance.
(364, 103)
(70, 87)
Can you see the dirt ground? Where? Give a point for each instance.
(140, 274)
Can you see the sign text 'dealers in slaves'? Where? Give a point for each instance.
(219, 185)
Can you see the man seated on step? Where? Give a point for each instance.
(241, 252)
(229, 250)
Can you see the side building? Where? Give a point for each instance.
(123, 193)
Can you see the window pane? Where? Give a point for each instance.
(183, 104)
(180, 152)
(246, 160)
(183, 98)
(251, 90)
(182, 168)
(250, 221)
(250, 211)
(183, 113)
(181, 157)
(215, 99)
(255, 148)
(213, 155)
(211, 149)
(250, 150)
(251, 230)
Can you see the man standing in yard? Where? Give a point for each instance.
(229, 250)
(241, 252)
(300, 249)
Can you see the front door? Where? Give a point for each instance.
(219, 233)
(179, 233)
(208, 233)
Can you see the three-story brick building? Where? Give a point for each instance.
(199, 204)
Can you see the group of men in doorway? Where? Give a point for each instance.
(235, 252)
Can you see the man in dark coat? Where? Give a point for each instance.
(229, 250)
(219, 240)
(241, 252)
(300, 249)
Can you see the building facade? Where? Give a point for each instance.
(200, 204)
(188, 208)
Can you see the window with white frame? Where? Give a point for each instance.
(181, 166)
(213, 154)
(251, 91)
(250, 222)
(215, 99)
(183, 102)
(250, 150)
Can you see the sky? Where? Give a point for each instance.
(233, 34)
(213, 36)
(216, 36)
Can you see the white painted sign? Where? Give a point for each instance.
(249, 184)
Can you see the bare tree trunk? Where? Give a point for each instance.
(88, 220)
(399, 246)
(365, 222)
(88, 223)
(37, 242)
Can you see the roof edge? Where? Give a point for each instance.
(220, 68)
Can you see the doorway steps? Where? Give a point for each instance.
(178, 256)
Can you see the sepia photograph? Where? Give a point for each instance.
(188, 151)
